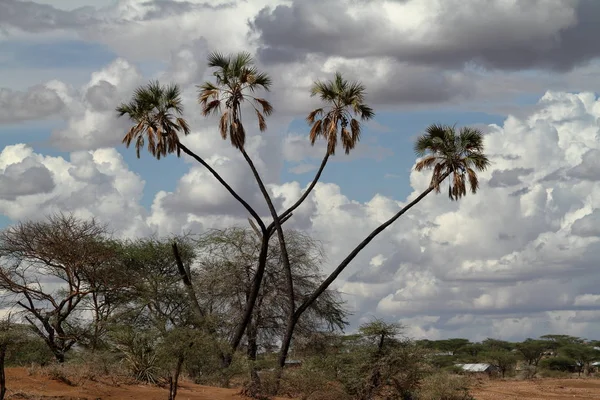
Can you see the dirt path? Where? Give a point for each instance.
(539, 389)
(39, 387)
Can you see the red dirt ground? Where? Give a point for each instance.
(23, 386)
(538, 389)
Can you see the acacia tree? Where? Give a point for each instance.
(155, 326)
(224, 274)
(45, 266)
(532, 350)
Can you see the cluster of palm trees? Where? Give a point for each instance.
(157, 114)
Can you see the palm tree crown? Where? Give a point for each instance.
(448, 153)
(236, 75)
(156, 111)
(345, 102)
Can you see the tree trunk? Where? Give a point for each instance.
(225, 184)
(332, 277)
(297, 204)
(3, 348)
(187, 284)
(239, 333)
(59, 355)
(174, 380)
(260, 271)
(252, 335)
(283, 352)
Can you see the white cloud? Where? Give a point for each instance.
(518, 259)
(90, 184)
(91, 121)
(38, 102)
(523, 251)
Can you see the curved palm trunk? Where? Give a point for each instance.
(315, 295)
(262, 258)
(225, 184)
(260, 271)
(284, 215)
(281, 237)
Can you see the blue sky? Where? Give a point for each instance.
(527, 72)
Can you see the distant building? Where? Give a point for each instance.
(443, 353)
(479, 368)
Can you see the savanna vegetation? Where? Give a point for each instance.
(243, 305)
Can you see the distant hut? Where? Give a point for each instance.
(479, 368)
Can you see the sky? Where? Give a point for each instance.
(518, 259)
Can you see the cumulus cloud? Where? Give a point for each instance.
(460, 268)
(517, 259)
(498, 34)
(38, 102)
(91, 119)
(90, 184)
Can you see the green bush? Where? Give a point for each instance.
(559, 363)
(31, 350)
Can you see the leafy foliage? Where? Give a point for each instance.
(156, 111)
(459, 155)
(344, 101)
(236, 80)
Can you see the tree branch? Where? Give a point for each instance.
(307, 303)
(225, 184)
(287, 213)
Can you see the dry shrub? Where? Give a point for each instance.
(309, 384)
(444, 386)
(77, 372)
(527, 372)
(548, 373)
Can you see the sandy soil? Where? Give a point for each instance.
(538, 389)
(23, 386)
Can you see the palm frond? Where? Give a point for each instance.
(315, 131)
(156, 111)
(219, 60)
(267, 108)
(236, 75)
(224, 124)
(262, 125)
(310, 119)
(426, 163)
(458, 155)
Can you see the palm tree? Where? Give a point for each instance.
(236, 81)
(236, 77)
(157, 113)
(345, 102)
(449, 153)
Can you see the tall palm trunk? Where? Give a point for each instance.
(258, 276)
(315, 295)
(225, 185)
(297, 204)
(262, 259)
